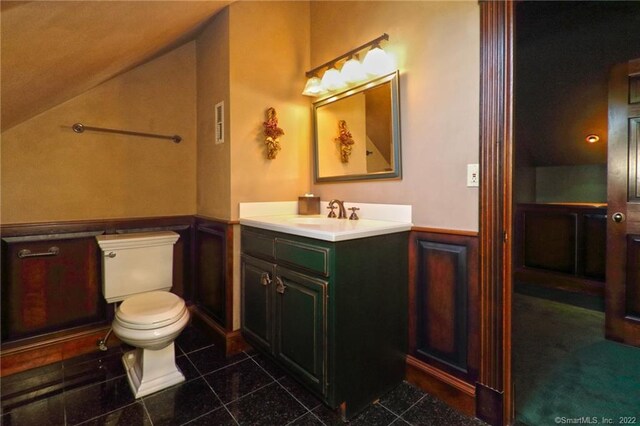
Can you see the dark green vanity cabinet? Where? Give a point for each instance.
(332, 314)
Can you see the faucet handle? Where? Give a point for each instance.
(331, 213)
(353, 216)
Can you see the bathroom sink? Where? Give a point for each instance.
(324, 228)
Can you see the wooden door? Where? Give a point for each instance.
(622, 290)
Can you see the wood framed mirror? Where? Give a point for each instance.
(357, 133)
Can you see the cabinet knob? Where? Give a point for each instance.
(265, 279)
(280, 285)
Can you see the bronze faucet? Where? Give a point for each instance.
(342, 213)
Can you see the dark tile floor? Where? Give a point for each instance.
(245, 389)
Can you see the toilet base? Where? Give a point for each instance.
(150, 371)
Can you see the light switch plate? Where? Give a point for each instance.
(473, 175)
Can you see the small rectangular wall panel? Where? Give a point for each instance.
(632, 293)
(550, 241)
(634, 89)
(634, 159)
(43, 294)
(443, 328)
(211, 271)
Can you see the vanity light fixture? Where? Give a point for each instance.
(332, 80)
(375, 63)
(352, 71)
(593, 138)
(313, 87)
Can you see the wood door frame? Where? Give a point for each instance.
(494, 395)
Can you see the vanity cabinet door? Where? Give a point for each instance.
(301, 326)
(257, 301)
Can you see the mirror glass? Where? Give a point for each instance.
(357, 133)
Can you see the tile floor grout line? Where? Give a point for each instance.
(249, 393)
(196, 350)
(299, 402)
(193, 365)
(410, 407)
(212, 390)
(217, 369)
(318, 418)
(287, 390)
(294, 397)
(146, 410)
(205, 414)
(264, 369)
(301, 416)
(103, 414)
(226, 366)
(220, 400)
(389, 410)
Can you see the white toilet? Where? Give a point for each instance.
(137, 270)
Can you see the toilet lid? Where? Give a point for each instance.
(152, 309)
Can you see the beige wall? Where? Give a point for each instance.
(214, 160)
(49, 173)
(253, 56)
(437, 49)
(269, 55)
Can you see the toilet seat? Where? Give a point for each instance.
(152, 310)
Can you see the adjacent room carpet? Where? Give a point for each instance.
(564, 368)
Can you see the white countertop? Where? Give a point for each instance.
(374, 221)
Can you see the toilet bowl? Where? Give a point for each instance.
(150, 322)
(137, 271)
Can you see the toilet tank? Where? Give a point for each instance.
(136, 263)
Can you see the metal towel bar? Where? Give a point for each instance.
(53, 251)
(80, 128)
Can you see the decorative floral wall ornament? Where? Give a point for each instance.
(272, 132)
(346, 141)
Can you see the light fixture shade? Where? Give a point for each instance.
(377, 62)
(313, 87)
(332, 80)
(353, 72)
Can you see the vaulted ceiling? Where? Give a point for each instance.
(52, 51)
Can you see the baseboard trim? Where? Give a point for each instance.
(450, 389)
(18, 358)
(490, 405)
(231, 341)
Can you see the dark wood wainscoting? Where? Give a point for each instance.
(57, 288)
(53, 308)
(444, 305)
(561, 246)
(632, 297)
(211, 247)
